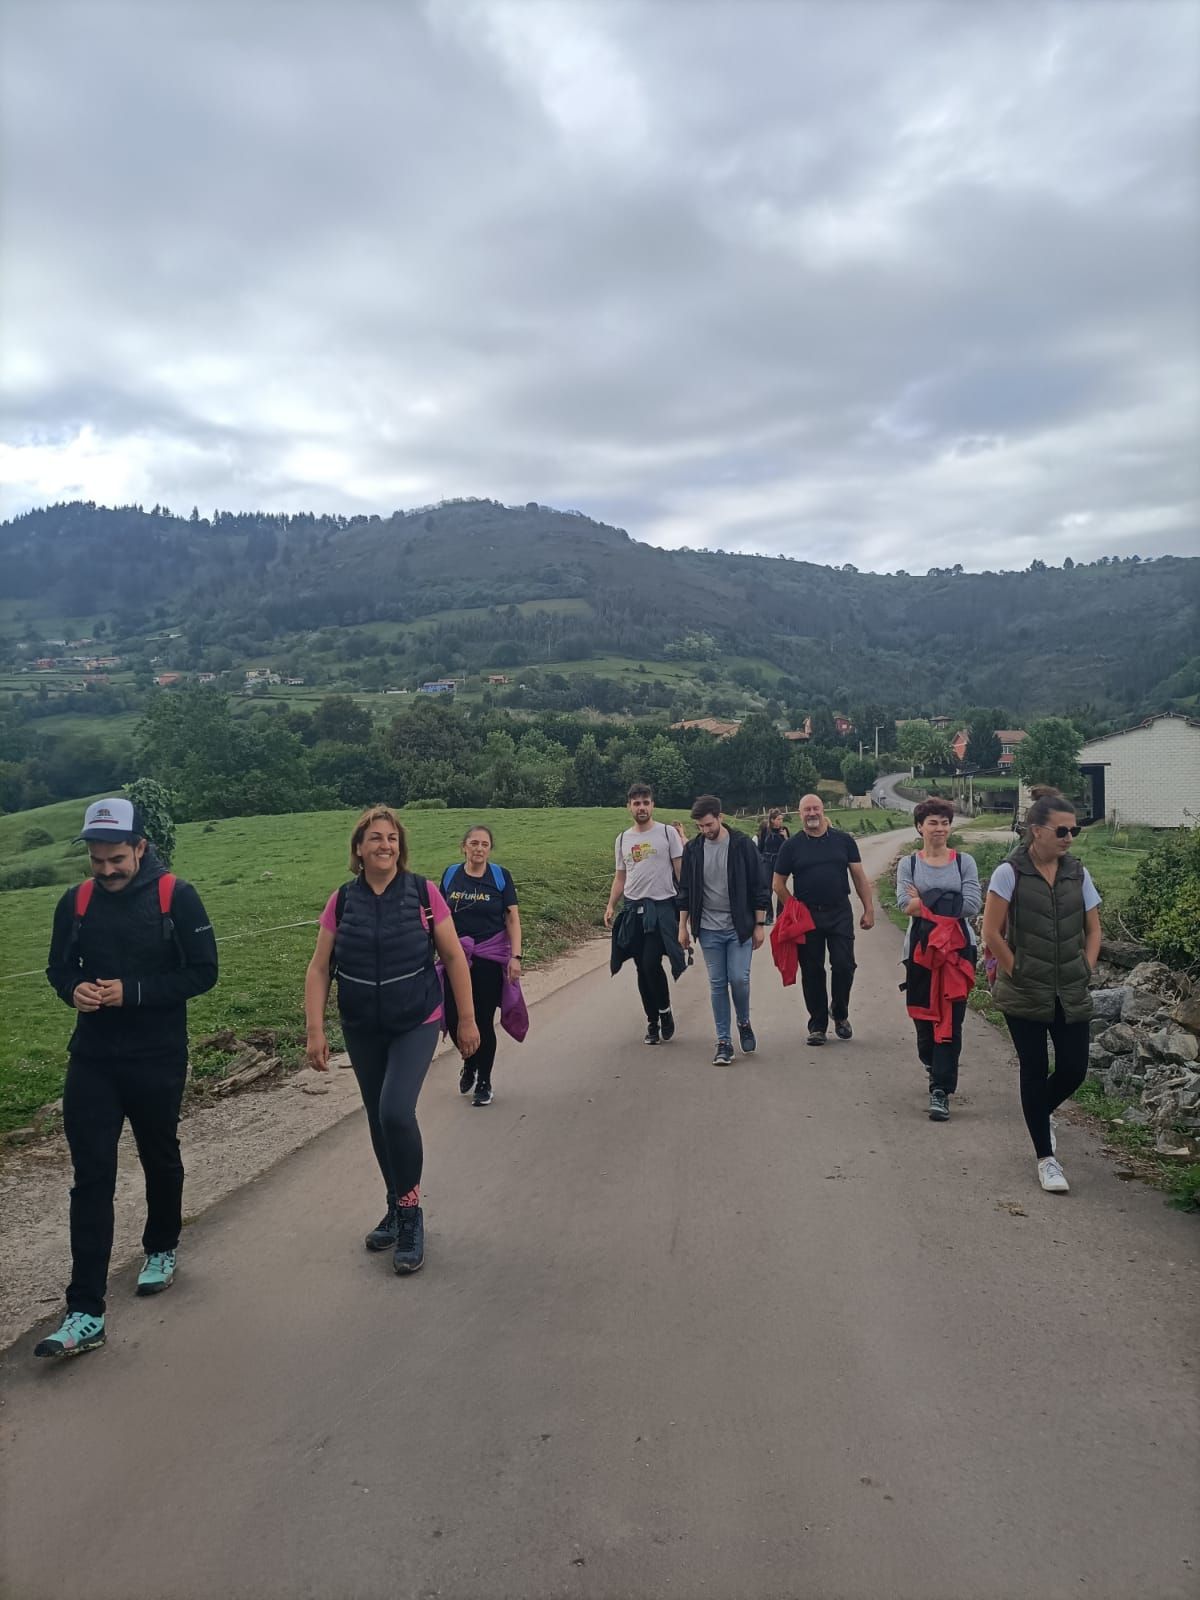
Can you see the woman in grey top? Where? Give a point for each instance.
(946, 882)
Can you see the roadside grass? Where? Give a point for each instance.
(1181, 1182)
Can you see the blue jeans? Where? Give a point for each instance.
(728, 963)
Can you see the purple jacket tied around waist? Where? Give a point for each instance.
(514, 1013)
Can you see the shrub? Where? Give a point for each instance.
(33, 876)
(426, 805)
(157, 805)
(34, 838)
(1164, 906)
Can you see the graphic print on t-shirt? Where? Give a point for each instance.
(476, 904)
(645, 858)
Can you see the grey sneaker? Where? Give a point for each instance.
(816, 1036)
(383, 1235)
(409, 1254)
(939, 1106)
(746, 1038)
(723, 1054)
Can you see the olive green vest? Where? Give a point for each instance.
(1046, 931)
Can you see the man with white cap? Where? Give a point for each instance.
(126, 959)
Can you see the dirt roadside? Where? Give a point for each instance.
(225, 1145)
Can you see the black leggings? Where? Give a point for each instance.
(652, 980)
(1042, 1093)
(390, 1071)
(487, 985)
(942, 1059)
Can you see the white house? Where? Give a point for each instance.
(1149, 775)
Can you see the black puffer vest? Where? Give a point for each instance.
(1047, 932)
(384, 957)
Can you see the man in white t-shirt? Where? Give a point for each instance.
(647, 857)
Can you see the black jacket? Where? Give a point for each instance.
(122, 937)
(636, 920)
(749, 890)
(383, 955)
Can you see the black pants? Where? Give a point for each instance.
(652, 980)
(99, 1095)
(834, 932)
(942, 1059)
(390, 1070)
(1041, 1091)
(487, 982)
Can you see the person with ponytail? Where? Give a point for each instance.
(1041, 924)
(483, 902)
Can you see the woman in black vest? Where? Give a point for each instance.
(379, 934)
(772, 836)
(1041, 923)
(483, 902)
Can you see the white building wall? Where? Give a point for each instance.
(1152, 776)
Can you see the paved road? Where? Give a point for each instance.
(891, 801)
(683, 1331)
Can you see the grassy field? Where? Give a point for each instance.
(259, 877)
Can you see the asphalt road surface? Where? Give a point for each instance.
(715, 1333)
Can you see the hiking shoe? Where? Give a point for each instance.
(843, 1030)
(816, 1036)
(1052, 1177)
(158, 1273)
(409, 1254)
(746, 1039)
(666, 1025)
(939, 1106)
(79, 1332)
(483, 1095)
(723, 1054)
(653, 1032)
(466, 1080)
(383, 1235)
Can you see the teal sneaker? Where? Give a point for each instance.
(157, 1273)
(79, 1332)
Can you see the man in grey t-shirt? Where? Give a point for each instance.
(724, 895)
(647, 860)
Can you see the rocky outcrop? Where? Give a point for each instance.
(1146, 1047)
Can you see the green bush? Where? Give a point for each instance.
(34, 876)
(34, 838)
(1164, 907)
(426, 805)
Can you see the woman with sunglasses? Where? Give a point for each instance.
(1041, 922)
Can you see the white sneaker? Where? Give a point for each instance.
(1052, 1177)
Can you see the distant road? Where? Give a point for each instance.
(885, 793)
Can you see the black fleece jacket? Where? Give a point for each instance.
(122, 937)
(749, 890)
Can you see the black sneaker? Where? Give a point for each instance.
(843, 1030)
(746, 1039)
(383, 1235)
(466, 1080)
(816, 1036)
(653, 1033)
(483, 1095)
(666, 1024)
(409, 1255)
(939, 1106)
(723, 1054)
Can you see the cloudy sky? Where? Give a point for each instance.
(857, 280)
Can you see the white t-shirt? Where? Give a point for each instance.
(646, 859)
(1004, 880)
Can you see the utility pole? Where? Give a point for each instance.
(878, 725)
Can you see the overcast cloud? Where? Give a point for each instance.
(897, 284)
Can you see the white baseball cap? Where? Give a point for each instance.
(118, 821)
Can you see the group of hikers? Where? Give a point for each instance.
(414, 959)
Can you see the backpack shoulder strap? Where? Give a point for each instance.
(498, 876)
(448, 875)
(83, 897)
(423, 900)
(166, 891)
(339, 905)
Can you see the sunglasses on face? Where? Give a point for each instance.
(1064, 833)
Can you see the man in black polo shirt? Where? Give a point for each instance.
(821, 861)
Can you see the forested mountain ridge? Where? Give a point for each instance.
(1118, 636)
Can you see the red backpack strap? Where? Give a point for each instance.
(83, 897)
(166, 889)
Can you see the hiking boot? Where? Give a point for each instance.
(723, 1054)
(483, 1095)
(383, 1235)
(939, 1106)
(79, 1332)
(843, 1029)
(653, 1032)
(1052, 1177)
(409, 1254)
(816, 1036)
(466, 1080)
(746, 1038)
(158, 1273)
(666, 1024)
